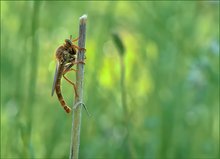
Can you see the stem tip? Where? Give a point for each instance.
(83, 19)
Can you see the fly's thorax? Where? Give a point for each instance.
(59, 53)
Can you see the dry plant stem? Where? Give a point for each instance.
(76, 122)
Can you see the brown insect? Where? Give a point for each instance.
(66, 58)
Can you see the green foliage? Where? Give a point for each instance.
(171, 80)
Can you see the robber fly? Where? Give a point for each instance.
(66, 58)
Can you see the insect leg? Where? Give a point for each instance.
(68, 80)
(77, 62)
(73, 39)
(79, 48)
(71, 69)
(68, 68)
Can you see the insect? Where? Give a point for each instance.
(66, 58)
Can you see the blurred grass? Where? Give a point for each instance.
(172, 79)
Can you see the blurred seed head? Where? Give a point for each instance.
(118, 43)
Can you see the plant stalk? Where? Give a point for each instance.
(76, 121)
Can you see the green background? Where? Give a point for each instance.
(170, 88)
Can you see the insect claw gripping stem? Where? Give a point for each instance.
(77, 62)
(77, 104)
(83, 49)
(79, 48)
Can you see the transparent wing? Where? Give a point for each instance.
(55, 78)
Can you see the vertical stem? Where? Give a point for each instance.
(76, 122)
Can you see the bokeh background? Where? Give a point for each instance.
(158, 99)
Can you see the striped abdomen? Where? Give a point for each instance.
(58, 90)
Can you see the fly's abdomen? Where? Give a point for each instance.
(59, 94)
